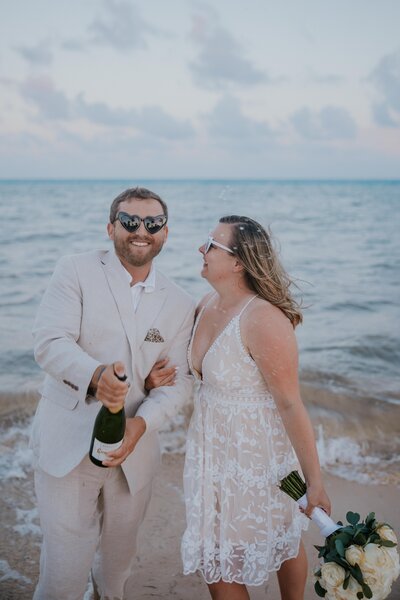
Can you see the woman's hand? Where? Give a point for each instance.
(160, 375)
(316, 496)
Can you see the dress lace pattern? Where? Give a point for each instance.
(240, 526)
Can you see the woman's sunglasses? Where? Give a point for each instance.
(132, 222)
(211, 242)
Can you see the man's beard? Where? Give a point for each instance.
(124, 249)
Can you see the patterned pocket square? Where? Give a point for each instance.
(153, 335)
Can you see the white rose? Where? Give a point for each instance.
(379, 582)
(338, 593)
(379, 579)
(376, 558)
(354, 554)
(332, 574)
(393, 556)
(387, 533)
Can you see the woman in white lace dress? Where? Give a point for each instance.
(249, 426)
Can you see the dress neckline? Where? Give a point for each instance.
(196, 373)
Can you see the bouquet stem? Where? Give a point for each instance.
(294, 486)
(326, 525)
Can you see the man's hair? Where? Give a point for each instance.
(136, 193)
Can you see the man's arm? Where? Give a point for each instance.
(57, 329)
(164, 402)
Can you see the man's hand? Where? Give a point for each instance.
(109, 389)
(160, 375)
(135, 428)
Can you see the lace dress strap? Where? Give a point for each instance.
(246, 305)
(195, 372)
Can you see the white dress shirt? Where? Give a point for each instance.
(147, 286)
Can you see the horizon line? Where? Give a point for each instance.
(202, 179)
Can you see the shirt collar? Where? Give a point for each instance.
(149, 284)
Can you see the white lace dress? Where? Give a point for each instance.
(240, 526)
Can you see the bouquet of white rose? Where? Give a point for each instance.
(359, 560)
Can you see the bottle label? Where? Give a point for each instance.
(100, 449)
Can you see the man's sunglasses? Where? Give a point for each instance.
(132, 222)
(211, 242)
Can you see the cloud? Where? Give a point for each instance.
(328, 79)
(101, 114)
(221, 59)
(151, 120)
(227, 122)
(53, 104)
(330, 123)
(382, 115)
(122, 28)
(38, 55)
(74, 45)
(386, 78)
(155, 121)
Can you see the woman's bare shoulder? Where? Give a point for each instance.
(202, 303)
(265, 317)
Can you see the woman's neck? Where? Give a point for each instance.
(232, 295)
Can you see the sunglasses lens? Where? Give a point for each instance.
(155, 224)
(130, 222)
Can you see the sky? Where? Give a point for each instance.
(180, 89)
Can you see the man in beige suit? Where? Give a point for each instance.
(105, 312)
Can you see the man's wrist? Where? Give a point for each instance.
(92, 389)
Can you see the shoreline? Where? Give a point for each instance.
(158, 571)
(357, 438)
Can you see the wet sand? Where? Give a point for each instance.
(158, 567)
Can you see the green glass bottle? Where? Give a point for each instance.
(108, 432)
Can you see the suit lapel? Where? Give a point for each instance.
(120, 289)
(149, 307)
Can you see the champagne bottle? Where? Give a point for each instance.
(108, 432)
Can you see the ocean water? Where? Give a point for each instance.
(338, 240)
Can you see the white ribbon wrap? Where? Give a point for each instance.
(320, 518)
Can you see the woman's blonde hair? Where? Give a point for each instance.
(264, 273)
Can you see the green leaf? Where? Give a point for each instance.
(341, 562)
(319, 589)
(360, 539)
(345, 538)
(352, 518)
(370, 517)
(339, 547)
(348, 529)
(318, 573)
(332, 555)
(387, 543)
(357, 573)
(360, 595)
(367, 591)
(346, 581)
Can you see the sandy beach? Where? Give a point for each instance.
(158, 569)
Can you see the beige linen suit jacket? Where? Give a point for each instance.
(86, 318)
